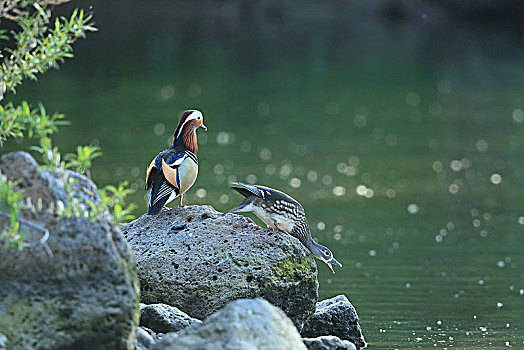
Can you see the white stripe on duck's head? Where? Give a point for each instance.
(187, 120)
(190, 120)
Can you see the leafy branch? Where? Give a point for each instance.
(11, 202)
(40, 44)
(114, 198)
(82, 160)
(14, 120)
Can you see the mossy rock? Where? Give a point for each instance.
(82, 293)
(198, 260)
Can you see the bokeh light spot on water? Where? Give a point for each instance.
(437, 166)
(264, 153)
(224, 138)
(444, 87)
(361, 115)
(351, 171)
(245, 146)
(285, 171)
(438, 238)
(391, 193)
(194, 90)
(455, 165)
(321, 226)
(339, 191)
(218, 169)
(466, 163)
(167, 91)
(518, 115)
(327, 179)
(295, 182)
(331, 108)
(135, 172)
(391, 140)
(360, 121)
(372, 252)
(251, 179)
(435, 109)
(482, 145)
(337, 236)
(201, 193)
(378, 133)
(342, 167)
(413, 208)
(495, 179)
(312, 175)
(224, 198)
(413, 99)
(354, 160)
(521, 220)
(499, 305)
(263, 108)
(453, 188)
(231, 179)
(271, 169)
(159, 129)
(361, 190)
(501, 264)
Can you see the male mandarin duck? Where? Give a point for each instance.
(281, 212)
(174, 170)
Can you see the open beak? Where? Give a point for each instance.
(334, 262)
(202, 126)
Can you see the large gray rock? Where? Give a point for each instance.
(328, 342)
(145, 338)
(47, 188)
(335, 316)
(82, 295)
(3, 342)
(198, 260)
(162, 318)
(243, 324)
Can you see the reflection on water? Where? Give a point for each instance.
(403, 143)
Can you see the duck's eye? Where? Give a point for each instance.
(198, 118)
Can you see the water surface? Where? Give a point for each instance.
(403, 142)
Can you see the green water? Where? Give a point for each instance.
(403, 144)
